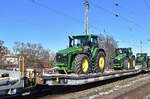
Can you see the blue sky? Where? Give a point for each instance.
(22, 20)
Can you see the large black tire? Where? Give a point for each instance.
(144, 65)
(148, 64)
(78, 64)
(98, 66)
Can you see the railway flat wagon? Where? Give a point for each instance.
(80, 79)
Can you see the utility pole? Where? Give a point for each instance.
(141, 44)
(86, 21)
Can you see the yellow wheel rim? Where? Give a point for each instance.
(133, 63)
(85, 65)
(101, 62)
(4, 78)
(128, 65)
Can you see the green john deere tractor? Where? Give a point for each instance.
(124, 59)
(82, 57)
(142, 59)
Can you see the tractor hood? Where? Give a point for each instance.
(119, 57)
(71, 50)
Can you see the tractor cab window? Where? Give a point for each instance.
(141, 55)
(81, 41)
(144, 55)
(122, 51)
(138, 55)
(77, 42)
(119, 52)
(94, 41)
(125, 51)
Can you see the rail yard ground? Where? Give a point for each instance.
(136, 87)
(142, 92)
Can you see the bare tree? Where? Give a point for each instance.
(35, 55)
(109, 44)
(3, 52)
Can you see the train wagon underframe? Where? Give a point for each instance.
(74, 79)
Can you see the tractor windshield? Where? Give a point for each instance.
(80, 41)
(83, 41)
(141, 55)
(121, 51)
(94, 41)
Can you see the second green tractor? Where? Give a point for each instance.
(124, 59)
(143, 60)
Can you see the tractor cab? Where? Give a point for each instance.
(126, 51)
(141, 57)
(124, 59)
(83, 40)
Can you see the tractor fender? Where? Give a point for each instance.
(96, 50)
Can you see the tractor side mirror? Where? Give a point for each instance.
(70, 41)
(70, 38)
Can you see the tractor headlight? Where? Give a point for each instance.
(62, 58)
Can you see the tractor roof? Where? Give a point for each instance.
(124, 48)
(90, 35)
(141, 53)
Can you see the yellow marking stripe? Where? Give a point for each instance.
(5, 78)
(80, 49)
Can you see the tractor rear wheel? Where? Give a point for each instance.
(81, 64)
(144, 65)
(99, 62)
(133, 64)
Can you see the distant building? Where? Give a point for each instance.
(11, 59)
(3, 52)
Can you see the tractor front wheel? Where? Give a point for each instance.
(81, 64)
(99, 62)
(127, 64)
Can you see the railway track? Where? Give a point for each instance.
(41, 91)
(140, 91)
